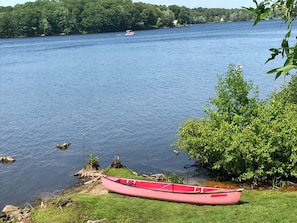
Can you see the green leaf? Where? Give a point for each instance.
(265, 13)
(285, 43)
(273, 71)
(283, 70)
(288, 34)
(274, 53)
(277, 75)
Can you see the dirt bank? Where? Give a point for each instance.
(92, 186)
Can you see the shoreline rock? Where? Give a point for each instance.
(64, 145)
(7, 159)
(89, 171)
(11, 213)
(116, 163)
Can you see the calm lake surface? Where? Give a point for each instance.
(111, 94)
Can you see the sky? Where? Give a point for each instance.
(188, 3)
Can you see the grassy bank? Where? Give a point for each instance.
(255, 206)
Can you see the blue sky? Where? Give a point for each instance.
(187, 3)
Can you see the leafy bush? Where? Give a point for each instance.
(244, 137)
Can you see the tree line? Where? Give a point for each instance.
(52, 17)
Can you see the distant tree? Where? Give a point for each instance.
(184, 16)
(28, 18)
(136, 17)
(234, 16)
(175, 9)
(64, 19)
(167, 18)
(8, 25)
(150, 15)
(45, 26)
(92, 17)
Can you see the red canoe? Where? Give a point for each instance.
(171, 191)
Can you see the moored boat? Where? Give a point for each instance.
(129, 33)
(172, 191)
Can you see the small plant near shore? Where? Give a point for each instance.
(173, 178)
(94, 161)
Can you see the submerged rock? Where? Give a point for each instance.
(175, 152)
(63, 146)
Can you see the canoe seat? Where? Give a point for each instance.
(130, 183)
(198, 189)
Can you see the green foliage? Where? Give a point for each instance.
(173, 178)
(50, 17)
(288, 93)
(94, 161)
(234, 102)
(248, 139)
(287, 9)
(167, 18)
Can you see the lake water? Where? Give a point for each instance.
(111, 94)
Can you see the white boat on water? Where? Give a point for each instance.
(129, 33)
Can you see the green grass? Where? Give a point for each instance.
(121, 172)
(254, 206)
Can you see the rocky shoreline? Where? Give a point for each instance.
(89, 183)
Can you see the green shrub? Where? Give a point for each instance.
(243, 137)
